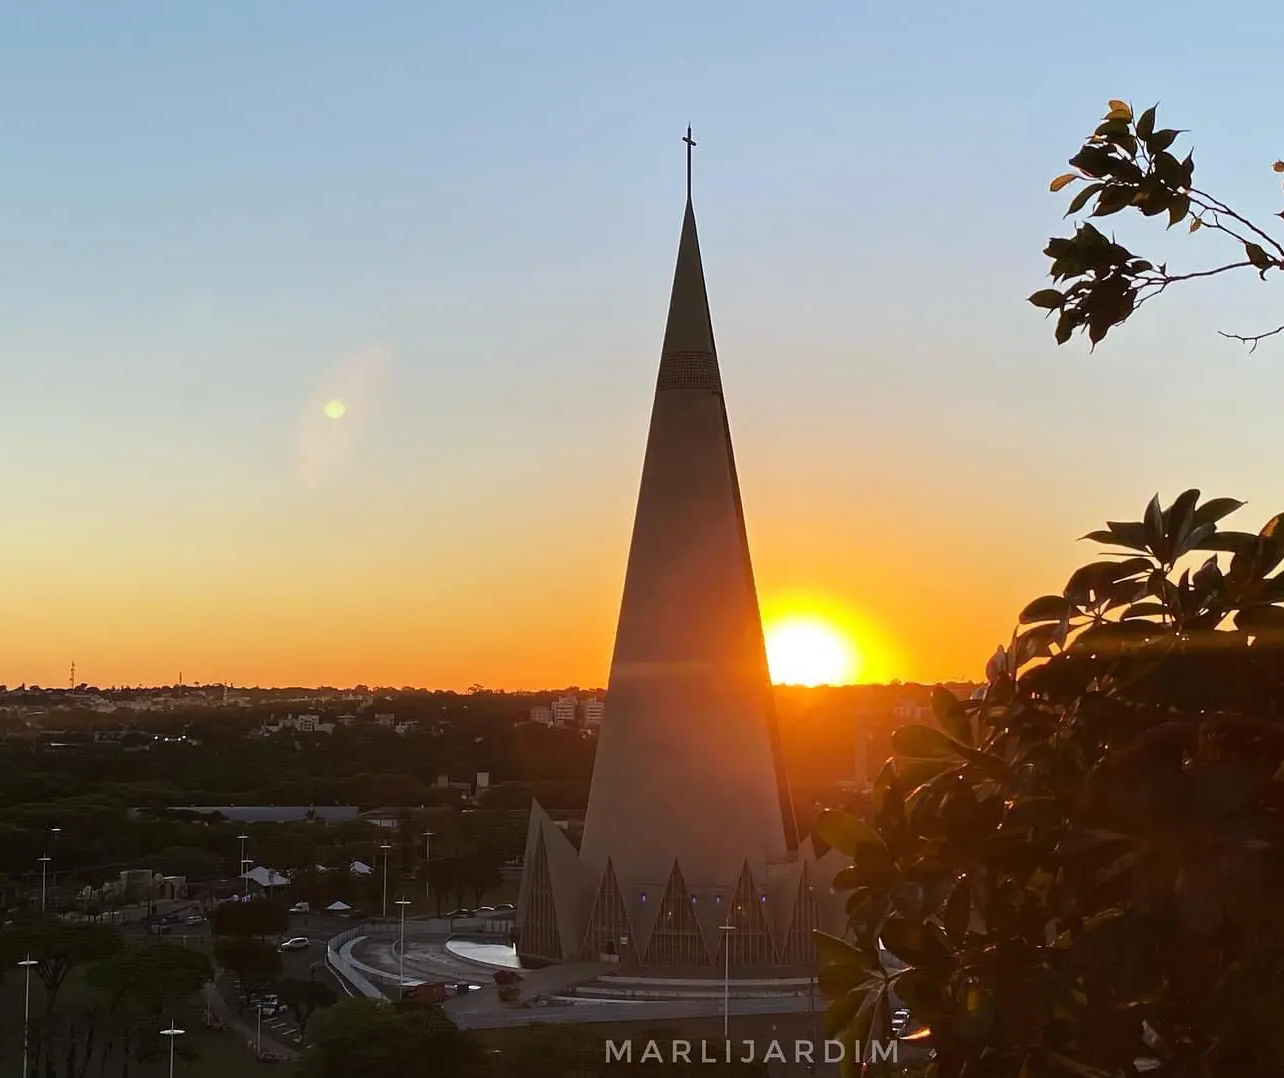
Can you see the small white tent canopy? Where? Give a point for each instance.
(266, 877)
(338, 907)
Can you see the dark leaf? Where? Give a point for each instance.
(951, 714)
(1153, 523)
(845, 833)
(833, 951)
(1114, 198)
(1215, 509)
(1045, 608)
(1232, 542)
(922, 742)
(1161, 140)
(1146, 609)
(1130, 535)
(1199, 899)
(1048, 299)
(1181, 515)
(1260, 619)
(1066, 326)
(1146, 123)
(846, 1003)
(1178, 208)
(958, 908)
(1082, 196)
(1256, 255)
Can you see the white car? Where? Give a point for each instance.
(298, 943)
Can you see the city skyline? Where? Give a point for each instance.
(197, 268)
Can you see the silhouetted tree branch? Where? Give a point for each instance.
(1126, 163)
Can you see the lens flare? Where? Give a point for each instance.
(351, 390)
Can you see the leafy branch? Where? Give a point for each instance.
(1127, 163)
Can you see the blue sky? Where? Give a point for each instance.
(204, 209)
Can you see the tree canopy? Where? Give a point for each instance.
(57, 947)
(374, 1040)
(254, 963)
(1128, 163)
(1077, 869)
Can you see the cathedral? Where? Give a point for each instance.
(690, 854)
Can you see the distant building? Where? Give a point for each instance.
(911, 710)
(591, 711)
(564, 710)
(269, 813)
(542, 715)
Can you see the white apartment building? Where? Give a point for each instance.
(591, 710)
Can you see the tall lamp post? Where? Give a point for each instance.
(27, 963)
(386, 849)
(44, 866)
(727, 929)
(245, 890)
(401, 951)
(172, 1033)
(427, 863)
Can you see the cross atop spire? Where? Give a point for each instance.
(690, 146)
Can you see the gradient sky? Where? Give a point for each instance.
(462, 219)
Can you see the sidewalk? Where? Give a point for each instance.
(226, 1014)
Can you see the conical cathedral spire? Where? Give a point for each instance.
(688, 764)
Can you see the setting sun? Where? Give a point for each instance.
(810, 651)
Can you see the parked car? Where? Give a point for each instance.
(459, 913)
(485, 909)
(297, 943)
(301, 907)
(505, 906)
(195, 919)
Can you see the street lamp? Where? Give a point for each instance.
(27, 962)
(245, 879)
(727, 929)
(427, 861)
(386, 848)
(44, 865)
(401, 950)
(172, 1033)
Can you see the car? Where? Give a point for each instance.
(301, 907)
(297, 943)
(485, 909)
(505, 906)
(195, 919)
(459, 913)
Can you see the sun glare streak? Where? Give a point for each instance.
(351, 390)
(810, 651)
